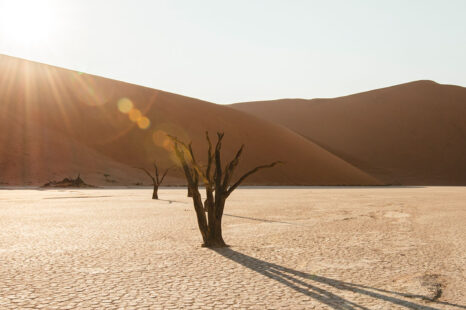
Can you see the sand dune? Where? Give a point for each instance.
(413, 133)
(57, 122)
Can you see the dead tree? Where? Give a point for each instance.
(156, 180)
(218, 185)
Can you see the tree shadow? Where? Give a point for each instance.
(306, 284)
(261, 220)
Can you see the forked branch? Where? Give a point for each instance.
(148, 173)
(156, 180)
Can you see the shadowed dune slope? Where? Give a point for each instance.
(410, 134)
(55, 123)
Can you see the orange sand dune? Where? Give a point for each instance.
(408, 134)
(55, 123)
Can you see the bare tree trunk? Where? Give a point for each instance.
(155, 194)
(200, 214)
(190, 192)
(215, 238)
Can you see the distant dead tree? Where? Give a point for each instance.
(217, 182)
(156, 180)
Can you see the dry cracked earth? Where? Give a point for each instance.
(290, 248)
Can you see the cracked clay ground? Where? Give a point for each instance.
(302, 248)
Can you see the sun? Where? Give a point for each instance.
(26, 22)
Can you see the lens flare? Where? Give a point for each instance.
(134, 115)
(125, 105)
(143, 122)
(158, 137)
(168, 145)
(161, 139)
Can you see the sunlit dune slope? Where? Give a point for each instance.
(32, 154)
(411, 134)
(57, 123)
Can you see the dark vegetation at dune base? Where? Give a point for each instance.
(66, 182)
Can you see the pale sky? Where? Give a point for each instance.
(244, 50)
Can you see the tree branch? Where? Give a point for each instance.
(209, 186)
(231, 168)
(195, 169)
(218, 163)
(191, 152)
(156, 172)
(164, 174)
(187, 171)
(178, 141)
(148, 173)
(250, 172)
(210, 157)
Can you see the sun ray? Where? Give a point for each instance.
(58, 96)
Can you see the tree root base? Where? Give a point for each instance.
(214, 245)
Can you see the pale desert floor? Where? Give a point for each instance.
(302, 248)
